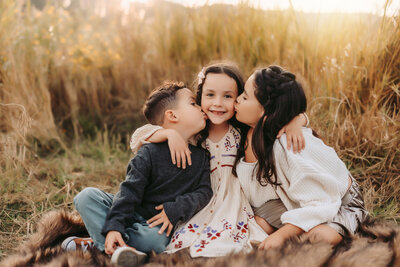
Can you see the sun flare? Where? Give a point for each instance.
(344, 6)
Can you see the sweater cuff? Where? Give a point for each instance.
(172, 212)
(113, 226)
(307, 119)
(307, 218)
(139, 137)
(303, 226)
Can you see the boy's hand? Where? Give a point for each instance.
(161, 218)
(113, 240)
(179, 149)
(294, 134)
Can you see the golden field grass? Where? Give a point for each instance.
(73, 80)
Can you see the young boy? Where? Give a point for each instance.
(155, 191)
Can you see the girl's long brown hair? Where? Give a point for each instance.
(283, 98)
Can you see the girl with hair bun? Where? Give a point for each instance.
(310, 192)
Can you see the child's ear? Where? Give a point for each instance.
(170, 115)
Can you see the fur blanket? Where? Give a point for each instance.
(377, 244)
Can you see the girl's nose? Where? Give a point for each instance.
(217, 101)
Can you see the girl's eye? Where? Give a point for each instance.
(244, 98)
(193, 104)
(228, 96)
(209, 94)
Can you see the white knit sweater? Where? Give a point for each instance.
(312, 182)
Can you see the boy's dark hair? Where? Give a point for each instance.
(161, 99)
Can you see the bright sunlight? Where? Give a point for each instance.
(317, 6)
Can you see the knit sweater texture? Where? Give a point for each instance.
(313, 182)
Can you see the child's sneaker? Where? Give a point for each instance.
(73, 243)
(128, 257)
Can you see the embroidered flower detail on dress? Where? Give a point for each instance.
(207, 229)
(201, 245)
(227, 226)
(177, 233)
(250, 214)
(237, 238)
(236, 135)
(192, 227)
(207, 146)
(241, 233)
(214, 234)
(228, 144)
(178, 245)
(242, 227)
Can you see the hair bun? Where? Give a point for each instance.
(278, 80)
(288, 75)
(275, 69)
(279, 74)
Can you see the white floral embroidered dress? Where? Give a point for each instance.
(227, 223)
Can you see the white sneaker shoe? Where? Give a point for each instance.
(74, 243)
(128, 257)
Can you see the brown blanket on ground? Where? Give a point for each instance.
(377, 244)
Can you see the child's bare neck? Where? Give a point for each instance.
(217, 131)
(249, 155)
(183, 132)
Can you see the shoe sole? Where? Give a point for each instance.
(129, 258)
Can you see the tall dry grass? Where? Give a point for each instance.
(73, 80)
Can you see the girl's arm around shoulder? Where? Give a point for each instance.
(141, 136)
(294, 133)
(180, 153)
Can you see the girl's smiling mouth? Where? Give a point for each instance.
(218, 113)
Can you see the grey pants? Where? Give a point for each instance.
(351, 213)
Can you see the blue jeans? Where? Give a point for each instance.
(93, 205)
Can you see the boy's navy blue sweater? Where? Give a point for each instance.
(152, 180)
